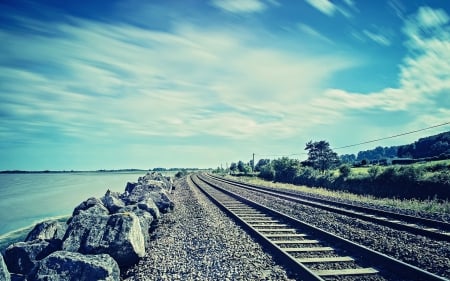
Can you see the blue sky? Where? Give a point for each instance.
(143, 84)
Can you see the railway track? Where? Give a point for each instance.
(419, 226)
(307, 251)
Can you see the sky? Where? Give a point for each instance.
(144, 84)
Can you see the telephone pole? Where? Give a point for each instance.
(253, 163)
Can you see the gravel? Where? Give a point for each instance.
(428, 254)
(198, 242)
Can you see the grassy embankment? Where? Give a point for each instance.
(426, 173)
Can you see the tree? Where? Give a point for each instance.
(233, 167)
(261, 163)
(241, 166)
(321, 156)
(348, 158)
(285, 169)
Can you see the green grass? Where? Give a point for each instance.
(429, 206)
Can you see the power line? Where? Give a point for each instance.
(394, 136)
(361, 143)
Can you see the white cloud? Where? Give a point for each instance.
(122, 81)
(240, 6)
(377, 38)
(424, 78)
(311, 31)
(324, 6)
(428, 17)
(328, 8)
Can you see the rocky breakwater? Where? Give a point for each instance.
(102, 235)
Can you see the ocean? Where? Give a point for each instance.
(26, 199)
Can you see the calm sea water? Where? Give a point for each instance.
(26, 199)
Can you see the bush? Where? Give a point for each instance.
(374, 171)
(345, 170)
(267, 172)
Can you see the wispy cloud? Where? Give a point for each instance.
(311, 31)
(324, 6)
(240, 6)
(377, 38)
(424, 76)
(141, 83)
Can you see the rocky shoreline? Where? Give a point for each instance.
(103, 236)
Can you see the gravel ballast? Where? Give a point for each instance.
(428, 254)
(198, 242)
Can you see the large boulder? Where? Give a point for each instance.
(51, 229)
(157, 177)
(84, 233)
(112, 201)
(21, 257)
(93, 206)
(69, 266)
(151, 189)
(4, 273)
(146, 220)
(118, 235)
(149, 206)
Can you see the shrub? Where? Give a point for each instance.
(345, 170)
(373, 172)
(267, 172)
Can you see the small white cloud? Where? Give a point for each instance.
(311, 31)
(324, 6)
(240, 6)
(350, 3)
(429, 18)
(377, 38)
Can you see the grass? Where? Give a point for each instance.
(429, 205)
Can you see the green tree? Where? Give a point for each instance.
(345, 170)
(321, 156)
(241, 166)
(233, 167)
(285, 169)
(261, 163)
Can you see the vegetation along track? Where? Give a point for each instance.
(416, 225)
(308, 252)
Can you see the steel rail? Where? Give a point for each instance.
(381, 261)
(390, 219)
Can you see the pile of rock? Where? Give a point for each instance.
(103, 235)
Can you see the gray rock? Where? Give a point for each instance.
(146, 220)
(118, 235)
(153, 189)
(51, 229)
(92, 205)
(124, 238)
(21, 257)
(4, 273)
(84, 233)
(112, 201)
(150, 206)
(69, 266)
(157, 177)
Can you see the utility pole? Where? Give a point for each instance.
(253, 163)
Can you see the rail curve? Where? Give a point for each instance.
(309, 252)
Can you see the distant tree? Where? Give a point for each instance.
(233, 167)
(321, 156)
(241, 166)
(348, 158)
(345, 170)
(251, 164)
(285, 169)
(261, 163)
